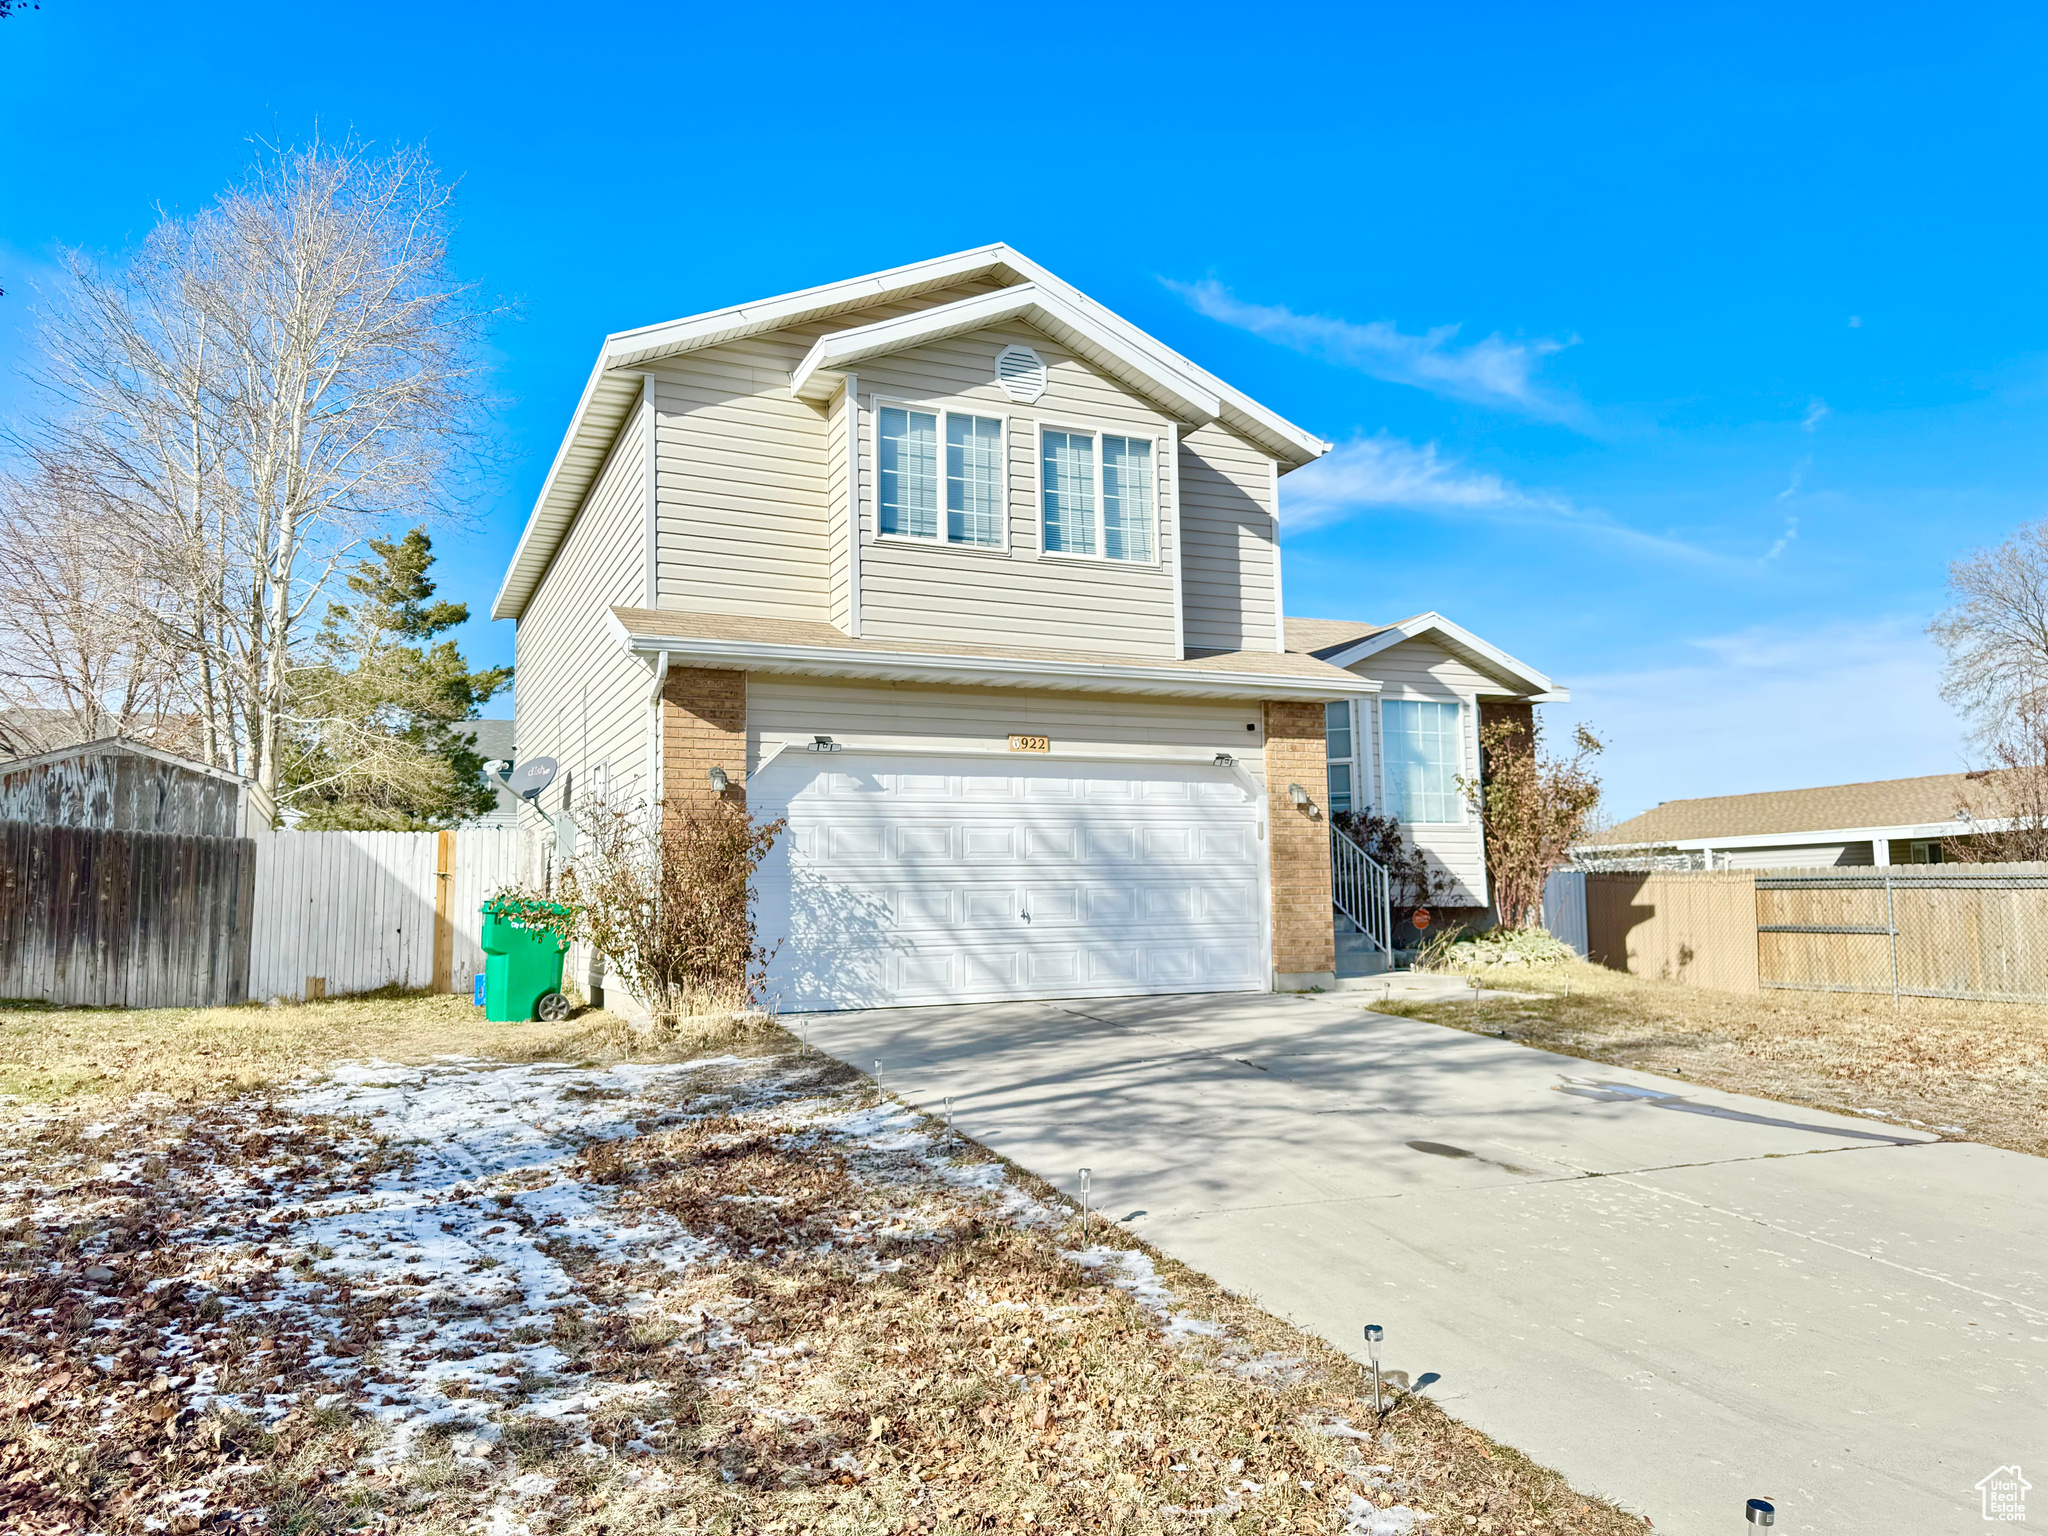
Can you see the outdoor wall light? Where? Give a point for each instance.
(1225, 760)
(1299, 796)
(822, 744)
(719, 781)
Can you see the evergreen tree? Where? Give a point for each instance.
(377, 717)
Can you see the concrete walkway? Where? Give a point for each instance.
(1677, 1297)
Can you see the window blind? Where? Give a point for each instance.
(908, 471)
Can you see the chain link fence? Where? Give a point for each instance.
(1978, 932)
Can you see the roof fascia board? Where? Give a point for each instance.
(1241, 412)
(987, 671)
(1026, 301)
(1435, 623)
(1819, 837)
(504, 606)
(650, 343)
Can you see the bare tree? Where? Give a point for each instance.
(1532, 809)
(79, 655)
(261, 387)
(1995, 634)
(2004, 808)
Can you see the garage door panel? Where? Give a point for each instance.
(1055, 842)
(1110, 844)
(983, 844)
(1228, 902)
(930, 883)
(1224, 845)
(1108, 791)
(1168, 842)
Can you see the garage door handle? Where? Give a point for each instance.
(1026, 916)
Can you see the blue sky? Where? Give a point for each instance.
(1675, 352)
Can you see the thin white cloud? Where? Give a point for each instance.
(1495, 371)
(1784, 539)
(1816, 412)
(1774, 707)
(1372, 473)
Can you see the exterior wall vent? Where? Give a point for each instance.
(1021, 372)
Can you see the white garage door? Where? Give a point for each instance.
(925, 880)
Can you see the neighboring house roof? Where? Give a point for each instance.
(493, 742)
(815, 649)
(1875, 806)
(1346, 642)
(1110, 341)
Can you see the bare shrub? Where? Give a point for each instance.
(668, 901)
(1531, 809)
(1413, 880)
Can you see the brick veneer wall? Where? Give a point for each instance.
(703, 726)
(1304, 932)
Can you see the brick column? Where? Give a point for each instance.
(1298, 843)
(703, 726)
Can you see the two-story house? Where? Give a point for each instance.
(978, 586)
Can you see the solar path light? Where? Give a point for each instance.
(1373, 1334)
(1087, 1175)
(949, 1114)
(1760, 1512)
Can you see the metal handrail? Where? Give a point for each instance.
(1359, 888)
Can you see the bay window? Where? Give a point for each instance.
(1097, 495)
(1421, 755)
(912, 479)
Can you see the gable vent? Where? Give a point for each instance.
(1021, 372)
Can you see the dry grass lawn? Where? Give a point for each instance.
(1974, 1071)
(776, 1302)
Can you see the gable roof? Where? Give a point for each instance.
(819, 375)
(1880, 803)
(1346, 642)
(615, 381)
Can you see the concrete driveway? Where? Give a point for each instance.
(1679, 1298)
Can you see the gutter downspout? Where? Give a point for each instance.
(654, 728)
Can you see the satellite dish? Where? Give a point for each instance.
(531, 777)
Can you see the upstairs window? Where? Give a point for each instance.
(1420, 754)
(1098, 496)
(909, 473)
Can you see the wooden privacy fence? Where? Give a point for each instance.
(341, 912)
(91, 917)
(1976, 932)
(99, 918)
(1695, 928)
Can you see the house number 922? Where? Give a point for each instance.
(1030, 743)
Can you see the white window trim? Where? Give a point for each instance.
(1356, 761)
(1464, 766)
(1098, 430)
(876, 405)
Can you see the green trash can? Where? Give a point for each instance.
(522, 968)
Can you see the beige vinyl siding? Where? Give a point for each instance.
(1229, 537)
(1809, 856)
(930, 594)
(745, 516)
(1422, 669)
(578, 697)
(872, 715)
